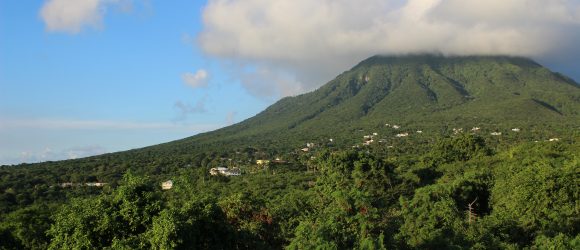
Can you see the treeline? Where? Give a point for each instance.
(461, 194)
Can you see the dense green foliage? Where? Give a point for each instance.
(445, 187)
(462, 194)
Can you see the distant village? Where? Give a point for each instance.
(367, 140)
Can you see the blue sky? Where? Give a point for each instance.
(107, 88)
(84, 77)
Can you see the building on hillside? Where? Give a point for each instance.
(402, 135)
(278, 161)
(96, 184)
(262, 162)
(66, 184)
(516, 129)
(225, 171)
(166, 185)
(495, 133)
(305, 149)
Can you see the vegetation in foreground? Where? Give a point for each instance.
(462, 193)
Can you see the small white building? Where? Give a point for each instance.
(396, 126)
(166, 185)
(475, 129)
(554, 139)
(516, 129)
(66, 184)
(495, 133)
(225, 171)
(96, 184)
(402, 135)
(419, 132)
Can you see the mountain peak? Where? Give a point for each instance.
(418, 90)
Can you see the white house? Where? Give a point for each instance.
(95, 184)
(402, 135)
(225, 171)
(166, 185)
(516, 129)
(495, 133)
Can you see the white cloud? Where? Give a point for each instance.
(306, 43)
(72, 16)
(197, 80)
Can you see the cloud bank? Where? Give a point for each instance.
(72, 16)
(283, 47)
(49, 154)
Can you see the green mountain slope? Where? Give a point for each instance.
(430, 93)
(421, 91)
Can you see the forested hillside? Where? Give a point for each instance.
(414, 152)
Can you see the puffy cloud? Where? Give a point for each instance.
(71, 16)
(197, 80)
(305, 43)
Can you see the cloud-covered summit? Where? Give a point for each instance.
(309, 42)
